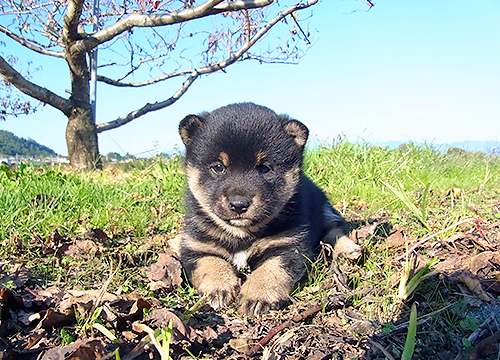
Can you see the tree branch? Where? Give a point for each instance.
(148, 107)
(144, 83)
(21, 40)
(71, 19)
(202, 70)
(211, 7)
(11, 76)
(232, 59)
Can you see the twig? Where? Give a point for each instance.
(480, 330)
(421, 320)
(481, 232)
(249, 26)
(306, 38)
(494, 224)
(387, 354)
(297, 318)
(418, 244)
(338, 278)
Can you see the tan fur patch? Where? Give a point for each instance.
(298, 133)
(184, 136)
(215, 278)
(267, 285)
(224, 157)
(342, 245)
(175, 244)
(198, 192)
(184, 131)
(260, 156)
(210, 248)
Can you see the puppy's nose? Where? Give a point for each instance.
(239, 205)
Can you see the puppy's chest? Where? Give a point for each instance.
(248, 259)
(240, 259)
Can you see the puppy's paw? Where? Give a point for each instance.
(215, 279)
(268, 287)
(256, 301)
(219, 298)
(347, 248)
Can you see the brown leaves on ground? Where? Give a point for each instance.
(81, 349)
(468, 262)
(30, 321)
(58, 322)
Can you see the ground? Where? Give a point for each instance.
(95, 292)
(457, 306)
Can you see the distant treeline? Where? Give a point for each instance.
(11, 145)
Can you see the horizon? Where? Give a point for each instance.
(486, 147)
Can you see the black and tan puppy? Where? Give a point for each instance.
(250, 207)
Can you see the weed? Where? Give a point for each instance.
(159, 337)
(65, 337)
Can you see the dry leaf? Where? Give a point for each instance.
(167, 271)
(396, 238)
(97, 234)
(82, 247)
(83, 299)
(210, 334)
(484, 262)
(55, 319)
(35, 337)
(240, 345)
(474, 285)
(82, 349)
(160, 318)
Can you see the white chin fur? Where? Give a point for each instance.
(240, 222)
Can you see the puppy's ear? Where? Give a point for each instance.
(298, 131)
(188, 127)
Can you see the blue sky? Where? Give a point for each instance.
(423, 71)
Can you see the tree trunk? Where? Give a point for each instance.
(81, 134)
(81, 138)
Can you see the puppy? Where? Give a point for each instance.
(253, 219)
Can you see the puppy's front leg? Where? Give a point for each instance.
(215, 278)
(342, 245)
(267, 287)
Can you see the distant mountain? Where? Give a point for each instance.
(12, 145)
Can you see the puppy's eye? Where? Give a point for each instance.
(218, 168)
(262, 169)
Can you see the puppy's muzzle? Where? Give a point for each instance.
(239, 204)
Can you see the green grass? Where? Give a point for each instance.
(365, 180)
(117, 202)
(126, 205)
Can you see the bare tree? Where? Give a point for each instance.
(151, 40)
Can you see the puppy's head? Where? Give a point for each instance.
(243, 163)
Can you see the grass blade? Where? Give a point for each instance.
(105, 331)
(412, 334)
(403, 197)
